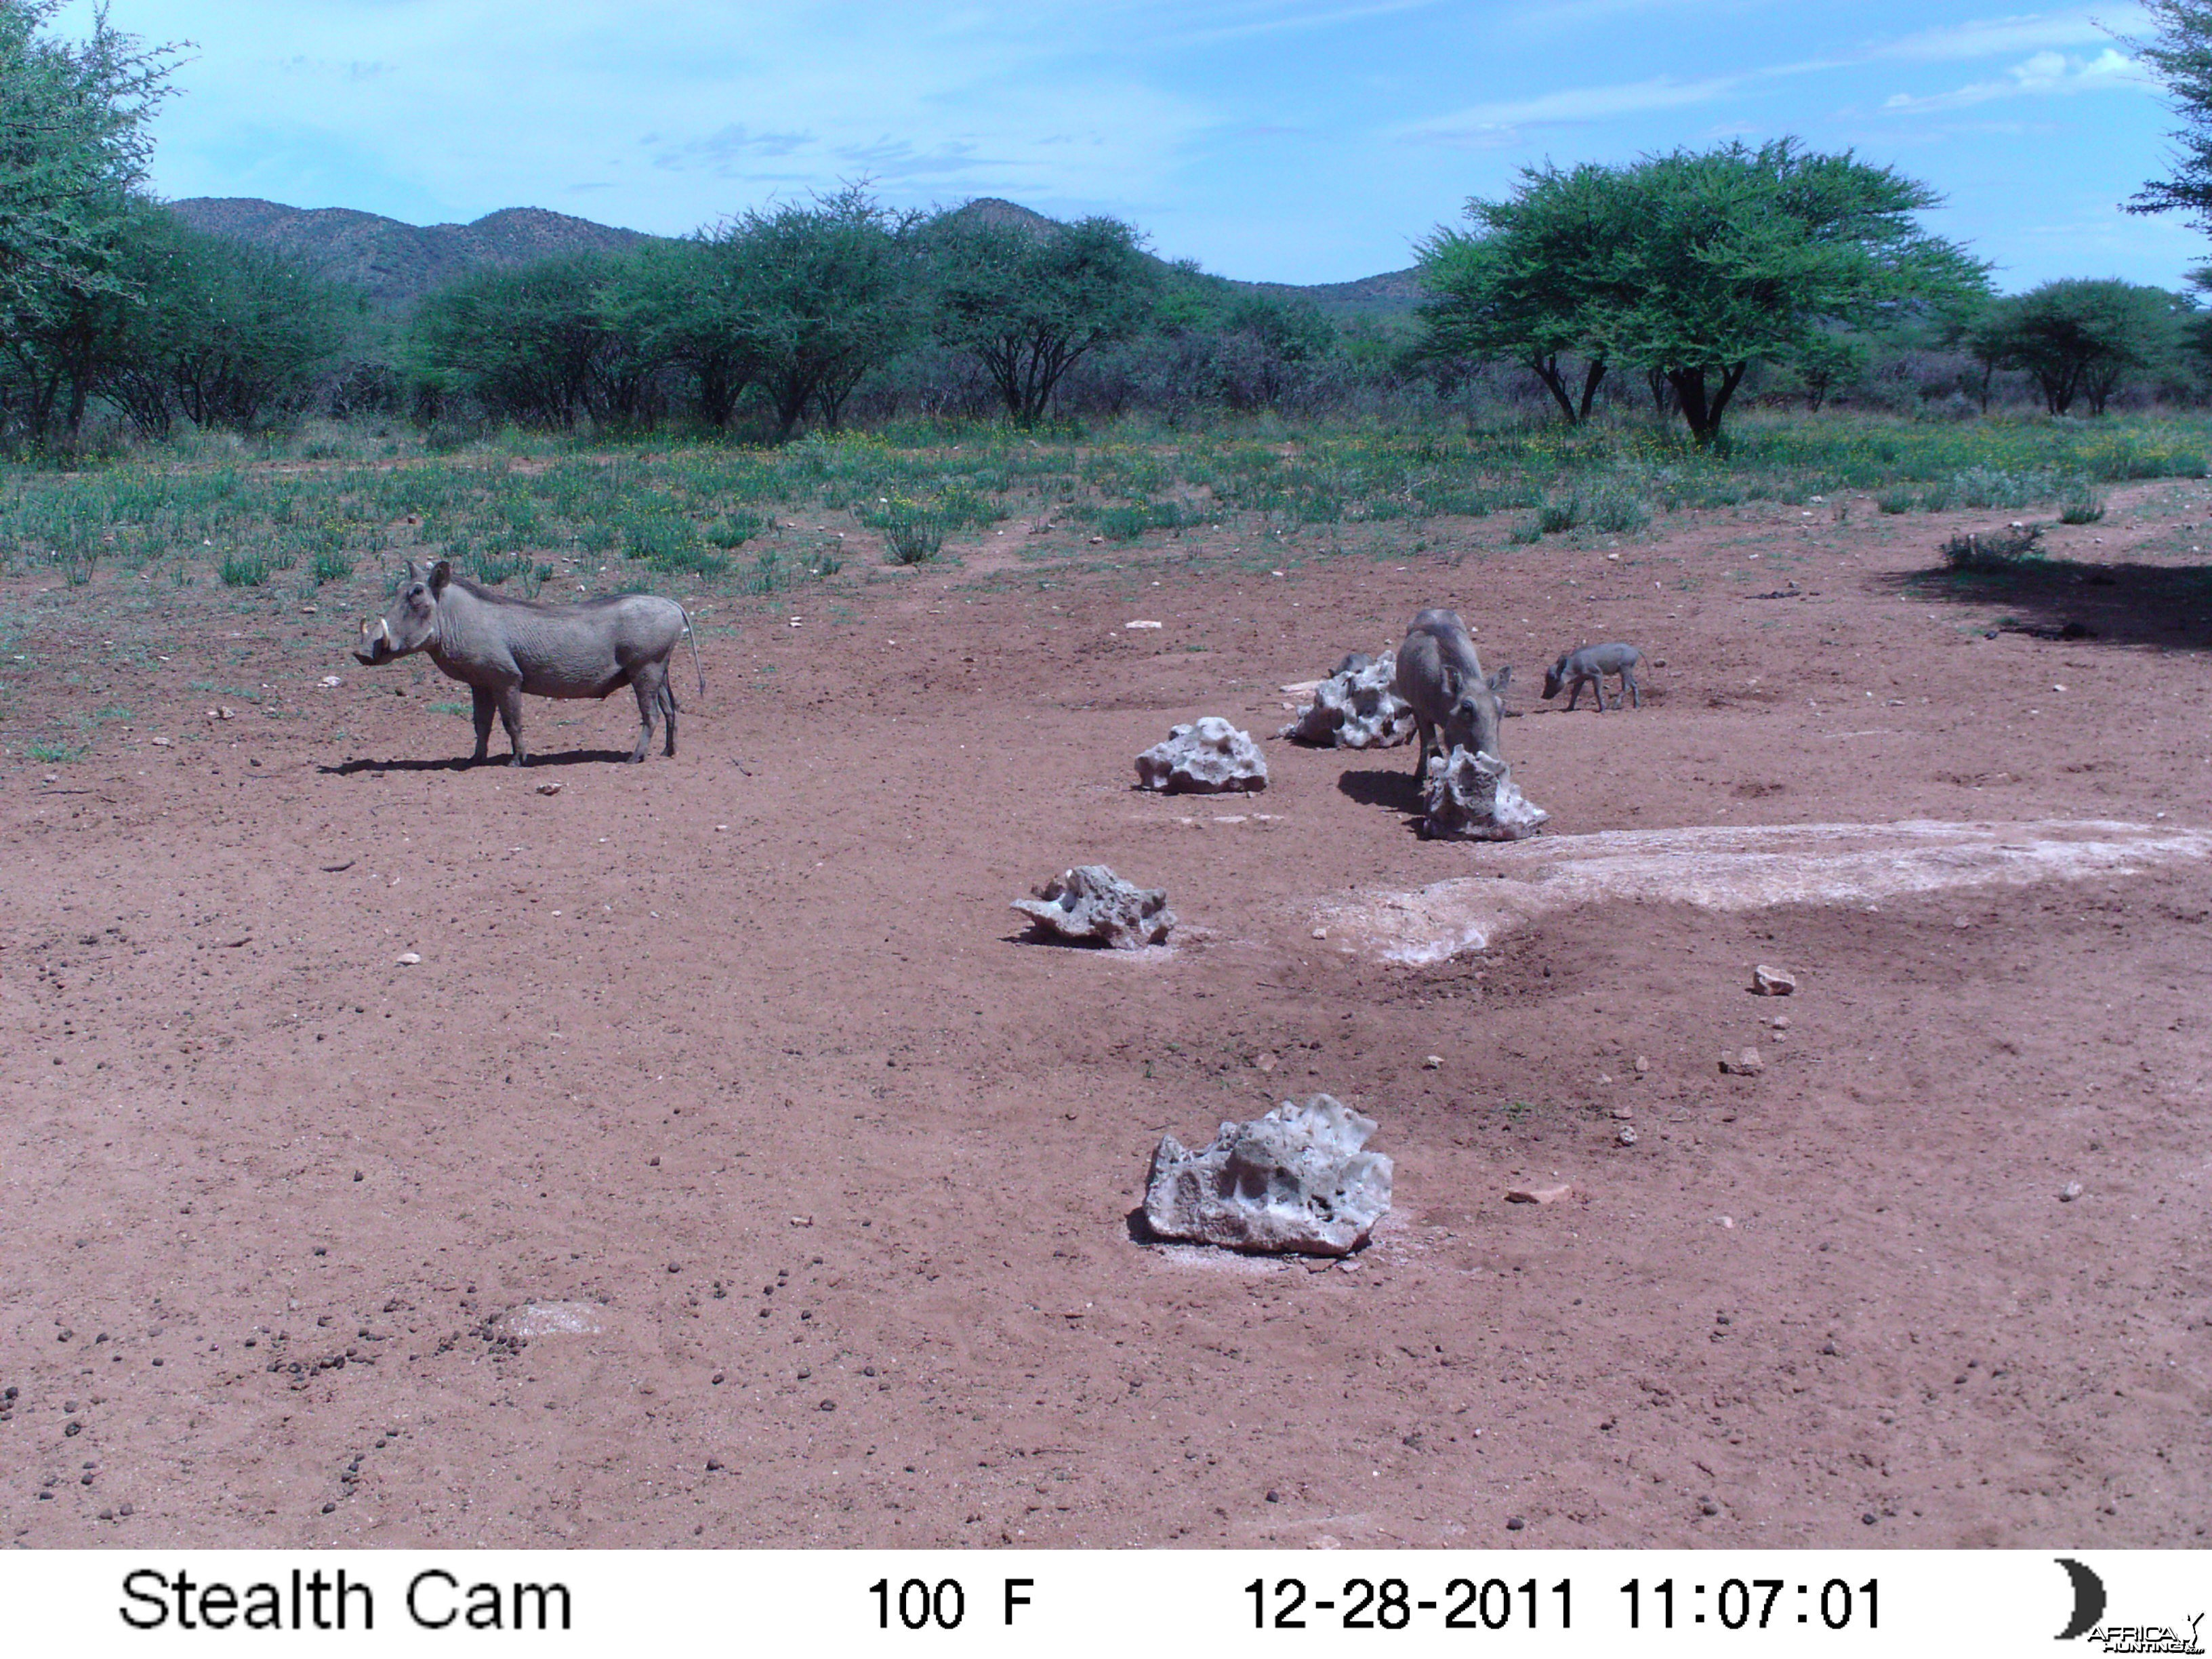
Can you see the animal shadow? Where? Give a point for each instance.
(462, 763)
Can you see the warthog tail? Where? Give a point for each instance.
(694, 638)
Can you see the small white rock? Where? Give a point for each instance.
(2069, 1192)
(409, 958)
(1537, 1194)
(1433, 1062)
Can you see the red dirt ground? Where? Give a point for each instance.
(743, 1052)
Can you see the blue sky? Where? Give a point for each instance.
(1295, 140)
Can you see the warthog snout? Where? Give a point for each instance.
(375, 642)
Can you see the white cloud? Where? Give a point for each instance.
(2000, 37)
(1486, 123)
(2045, 73)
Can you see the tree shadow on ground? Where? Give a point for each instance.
(462, 763)
(2165, 605)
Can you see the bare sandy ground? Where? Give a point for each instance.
(729, 1170)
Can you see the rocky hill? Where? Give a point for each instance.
(397, 263)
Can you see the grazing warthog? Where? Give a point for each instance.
(1439, 675)
(1589, 667)
(500, 648)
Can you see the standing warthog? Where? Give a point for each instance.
(1439, 675)
(1589, 667)
(500, 648)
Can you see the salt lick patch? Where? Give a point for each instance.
(1728, 867)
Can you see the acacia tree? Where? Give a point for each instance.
(532, 345)
(2078, 338)
(1693, 266)
(221, 332)
(1738, 255)
(2179, 51)
(820, 295)
(1525, 282)
(74, 147)
(683, 306)
(1030, 303)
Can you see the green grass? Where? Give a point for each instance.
(197, 510)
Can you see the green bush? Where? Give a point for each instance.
(332, 568)
(1895, 500)
(1993, 550)
(1559, 514)
(1528, 530)
(1127, 522)
(244, 570)
(1615, 512)
(493, 569)
(913, 533)
(738, 528)
(1989, 486)
(770, 574)
(664, 541)
(2079, 503)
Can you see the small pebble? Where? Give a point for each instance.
(1514, 1524)
(2069, 1192)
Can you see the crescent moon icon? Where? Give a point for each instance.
(2088, 1599)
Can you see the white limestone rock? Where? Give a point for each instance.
(1091, 905)
(1470, 795)
(1295, 1179)
(1355, 707)
(1207, 757)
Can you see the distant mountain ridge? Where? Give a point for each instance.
(396, 263)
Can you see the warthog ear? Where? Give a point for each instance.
(1501, 679)
(1451, 680)
(441, 573)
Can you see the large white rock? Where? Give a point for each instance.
(1295, 1179)
(1207, 757)
(1091, 905)
(1470, 795)
(1355, 708)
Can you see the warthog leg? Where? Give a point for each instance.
(510, 716)
(650, 681)
(487, 706)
